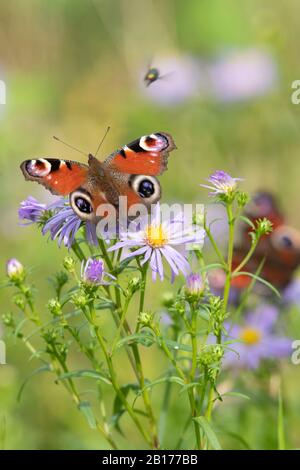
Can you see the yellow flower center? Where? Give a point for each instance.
(250, 336)
(155, 236)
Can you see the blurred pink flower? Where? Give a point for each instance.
(242, 75)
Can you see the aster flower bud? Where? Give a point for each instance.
(80, 299)
(50, 335)
(217, 314)
(145, 319)
(19, 301)
(8, 320)
(242, 199)
(69, 264)
(133, 286)
(15, 270)
(54, 307)
(212, 354)
(194, 286)
(263, 227)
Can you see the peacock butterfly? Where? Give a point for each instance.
(130, 171)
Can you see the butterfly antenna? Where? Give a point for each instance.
(70, 146)
(105, 134)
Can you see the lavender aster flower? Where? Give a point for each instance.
(93, 273)
(221, 184)
(31, 210)
(62, 225)
(157, 240)
(258, 341)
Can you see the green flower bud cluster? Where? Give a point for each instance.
(217, 315)
(210, 359)
(54, 307)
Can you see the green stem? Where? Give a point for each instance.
(194, 344)
(247, 257)
(210, 403)
(78, 251)
(121, 325)
(144, 269)
(116, 386)
(229, 262)
(214, 245)
(145, 393)
(194, 415)
(64, 367)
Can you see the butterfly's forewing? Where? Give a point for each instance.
(61, 177)
(147, 155)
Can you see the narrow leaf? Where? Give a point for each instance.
(86, 409)
(92, 374)
(46, 368)
(141, 338)
(260, 279)
(208, 432)
(235, 394)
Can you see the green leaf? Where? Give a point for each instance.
(208, 432)
(86, 409)
(178, 346)
(103, 305)
(167, 379)
(191, 385)
(92, 374)
(46, 368)
(260, 279)
(234, 394)
(247, 221)
(142, 338)
(208, 267)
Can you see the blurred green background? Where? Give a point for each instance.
(71, 68)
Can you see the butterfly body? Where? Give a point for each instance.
(130, 171)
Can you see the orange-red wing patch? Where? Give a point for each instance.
(147, 155)
(141, 163)
(61, 177)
